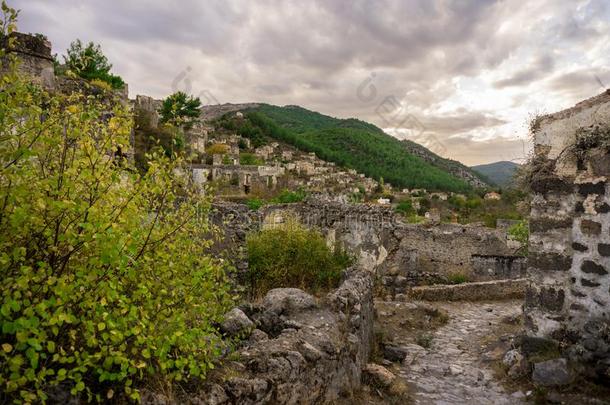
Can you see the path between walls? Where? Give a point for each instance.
(452, 371)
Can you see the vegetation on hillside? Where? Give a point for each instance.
(291, 255)
(102, 284)
(466, 208)
(180, 110)
(500, 173)
(89, 62)
(350, 143)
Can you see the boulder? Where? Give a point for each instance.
(236, 323)
(257, 335)
(254, 388)
(287, 300)
(378, 375)
(552, 373)
(216, 396)
(394, 353)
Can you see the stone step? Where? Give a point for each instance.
(478, 291)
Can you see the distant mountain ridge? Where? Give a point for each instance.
(355, 144)
(500, 173)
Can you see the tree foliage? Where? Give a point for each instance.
(102, 283)
(520, 232)
(180, 109)
(290, 255)
(89, 62)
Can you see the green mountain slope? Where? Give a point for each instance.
(354, 144)
(500, 173)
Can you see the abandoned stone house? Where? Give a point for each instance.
(569, 262)
(243, 177)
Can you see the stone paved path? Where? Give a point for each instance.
(451, 370)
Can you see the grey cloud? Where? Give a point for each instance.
(470, 151)
(460, 122)
(543, 66)
(317, 53)
(579, 84)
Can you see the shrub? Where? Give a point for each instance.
(101, 84)
(180, 109)
(89, 62)
(255, 203)
(217, 149)
(406, 208)
(290, 197)
(102, 285)
(520, 233)
(291, 255)
(249, 159)
(457, 278)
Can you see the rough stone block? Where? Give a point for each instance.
(588, 283)
(590, 188)
(591, 267)
(549, 298)
(604, 249)
(550, 261)
(552, 373)
(547, 224)
(579, 247)
(590, 228)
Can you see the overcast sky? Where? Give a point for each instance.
(461, 77)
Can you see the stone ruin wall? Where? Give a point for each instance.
(303, 350)
(568, 298)
(35, 60)
(402, 254)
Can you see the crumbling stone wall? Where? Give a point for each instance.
(569, 261)
(34, 54)
(303, 350)
(402, 254)
(490, 267)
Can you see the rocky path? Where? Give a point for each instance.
(451, 370)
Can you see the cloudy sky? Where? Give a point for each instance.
(461, 77)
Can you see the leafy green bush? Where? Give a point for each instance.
(290, 197)
(180, 109)
(406, 208)
(520, 233)
(89, 62)
(249, 159)
(291, 255)
(255, 203)
(102, 285)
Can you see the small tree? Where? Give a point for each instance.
(89, 62)
(180, 109)
(105, 275)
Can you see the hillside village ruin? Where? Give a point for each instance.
(302, 350)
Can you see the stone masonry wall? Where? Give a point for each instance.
(403, 254)
(302, 351)
(569, 260)
(34, 54)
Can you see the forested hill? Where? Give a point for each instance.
(354, 144)
(500, 173)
